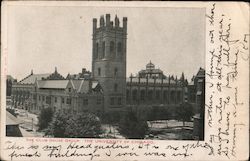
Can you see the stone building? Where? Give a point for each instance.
(76, 95)
(109, 60)
(106, 88)
(21, 91)
(152, 87)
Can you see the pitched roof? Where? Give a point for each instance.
(30, 79)
(80, 86)
(52, 84)
(11, 120)
(200, 73)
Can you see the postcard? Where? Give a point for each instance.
(124, 80)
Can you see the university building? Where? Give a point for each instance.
(106, 88)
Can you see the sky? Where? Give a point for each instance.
(42, 38)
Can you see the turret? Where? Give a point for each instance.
(108, 20)
(125, 24)
(94, 25)
(117, 23)
(102, 23)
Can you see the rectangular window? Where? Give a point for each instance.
(103, 49)
(69, 89)
(48, 100)
(119, 101)
(55, 99)
(43, 98)
(85, 101)
(62, 100)
(112, 101)
(39, 97)
(99, 71)
(98, 101)
(68, 101)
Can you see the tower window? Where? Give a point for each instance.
(115, 72)
(119, 48)
(99, 71)
(115, 87)
(112, 47)
(97, 48)
(103, 49)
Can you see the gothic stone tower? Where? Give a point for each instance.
(109, 61)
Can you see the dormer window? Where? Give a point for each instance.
(69, 89)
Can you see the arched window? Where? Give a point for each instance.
(143, 95)
(115, 87)
(172, 96)
(112, 48)
(157, 94)
(150, 95)
(134, 95)
(119, 47)
(127, 94)
(103, 49)
(99, 71)
(96, 50)
(165, 96)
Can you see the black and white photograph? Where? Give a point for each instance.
(106, 72)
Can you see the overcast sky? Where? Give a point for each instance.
(42, 38)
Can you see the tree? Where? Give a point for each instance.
(57, 126)
(83, 125)
(185, 112)
(45, 118)
(74, 125)
(133, 128)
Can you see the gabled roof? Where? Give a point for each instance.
(200, 73)
(30, 79)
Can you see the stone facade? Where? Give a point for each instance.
(21, 91)
(152, 87)
(109, 60)
(74, 95)
(106, 88)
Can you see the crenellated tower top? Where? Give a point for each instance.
(106, 23)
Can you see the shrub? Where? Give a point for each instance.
(131, 127)
(45, 118)
(79, 125)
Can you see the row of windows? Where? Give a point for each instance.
(150, 95)
(115, 101)
(115, 72)
(111, 48)
(68, 101)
